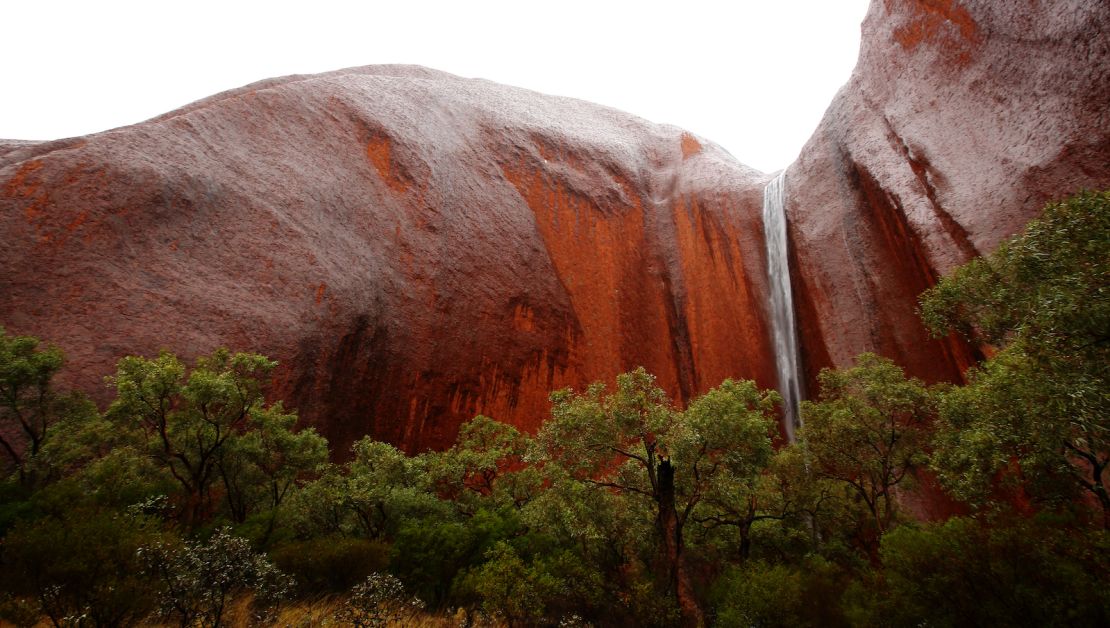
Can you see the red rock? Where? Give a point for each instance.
(413, 247)
(961, 120)
(416, 248)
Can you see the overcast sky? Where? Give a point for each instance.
(753, 76)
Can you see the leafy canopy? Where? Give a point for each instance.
(1039, 410)
(868, 430)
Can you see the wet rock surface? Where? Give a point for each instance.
(961, 120)
(413, 247)
(416, 248)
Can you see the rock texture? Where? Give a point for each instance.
(961, 120)
(417, 248)
(413, 247)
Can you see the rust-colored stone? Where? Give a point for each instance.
(417, 248)
(961, 119)
(413, 247)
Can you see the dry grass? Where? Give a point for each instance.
(303, 614)
(320, 612)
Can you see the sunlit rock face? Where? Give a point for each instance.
(961, 119)
(413, 247)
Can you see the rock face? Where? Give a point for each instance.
(413, 247)
(961, 120)
(417, 248)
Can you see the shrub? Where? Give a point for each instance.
(83, 564)
(331, 564)
(760, 594)
(198, 579)
(379, 601)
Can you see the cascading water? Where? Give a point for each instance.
(782, 302)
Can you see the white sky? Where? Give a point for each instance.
(755, 76)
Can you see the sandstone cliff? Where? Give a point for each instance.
(416, 248)
(961, 119)
(413, 247)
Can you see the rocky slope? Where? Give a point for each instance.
(413, 247)
(961, 119)
(416, 248)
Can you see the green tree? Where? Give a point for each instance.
(187, 419)
(430, 552)
(260, 467)
(611, 539)
(868, 431)
(485, 468)
(1037, 414)
(509, 587)
(28, 404)
(385, 488)
(633, 443)
(728, 439)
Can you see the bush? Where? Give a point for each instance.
(379, 601)
(84, 564)
(760, 594)
(331, 564)
(198, 579)
(430, 554)
(510, 588)
(1007, 572)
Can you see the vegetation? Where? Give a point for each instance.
(1035, 417)
(869, 432)
(191, 500)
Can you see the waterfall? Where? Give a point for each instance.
(782, 302)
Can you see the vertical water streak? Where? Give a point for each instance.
(782, 302)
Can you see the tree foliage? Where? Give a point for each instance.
(632, 442)
(210, 427)
(1038, 413)
(868, 431)
(29, 407)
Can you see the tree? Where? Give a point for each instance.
(1037, 414)
(633, 443)
(509, 587)
(188, 419)
(485, 468)
(384, 488)
(28, 404)
(868, 431)
(728, 440)
(610, 539)
(260, 467)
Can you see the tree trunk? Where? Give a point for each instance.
(671, 531)
(745, 542)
